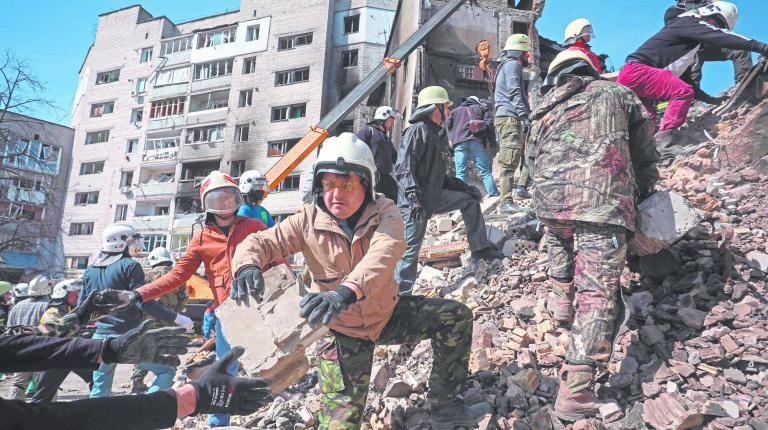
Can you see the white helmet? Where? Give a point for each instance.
(159, 255)
(727, 11)
(577, 28)
(117, 237)
(40, 285)
(253, 180)
(63, 288)
(21, 289)
(385, 112)
(345, 154)
(220, 194)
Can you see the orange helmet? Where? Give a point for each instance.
(219, 193)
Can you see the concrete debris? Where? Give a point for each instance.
(663, 219)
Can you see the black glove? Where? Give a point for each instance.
(645, 193)
(417, 212)
(117, 299)
(140, 345)
(248, 281)
(219, 393)
(325, 306)
(90, 310)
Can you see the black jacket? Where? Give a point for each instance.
(458, 123)
(384, 153)
(422, 163)
(683, 35)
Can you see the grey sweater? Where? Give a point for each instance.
(509, 95)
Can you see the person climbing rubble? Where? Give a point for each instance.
(577, 36)
(351, 240)
(512, 122)
(426, 189)
(254, 187)
(653, 71)
(375, 134)
(593, 156)
(472, 135)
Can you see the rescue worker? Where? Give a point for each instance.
(512, 122)
(577, 36)
(376, 135)
(20, 291)
(115, 268)
(593, 157)
(213, 246)
(653, 71)
(471, 127)
(6, 294)
(29, 312)
(426, 189)
(351, 239)
(254, 187)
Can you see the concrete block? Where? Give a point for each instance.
(495, 236)
(429, 272)
(272, 332)
(758, 260)
(662, 220)
(517, 247)
(444, 225)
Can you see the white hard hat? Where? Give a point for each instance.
(40, 285)
(64, 287)
(21, 289)
(727, 11)
(220, 194)
(118, 237)
(384, 112)
(569, 56)
(346, 154)
(159, 255)
(253, 180)
(576, 29)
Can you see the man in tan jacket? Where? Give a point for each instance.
(351, 240)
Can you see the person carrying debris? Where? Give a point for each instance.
(426, 189)
(351, 240)
(653, 71)
(471, 127)
(254, 187)
(593, 157)
(512, 121)
(375, 134)
(577, 36)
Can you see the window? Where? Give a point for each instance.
(249, 65)
(349, 58)
(161, 143)
(81, 228)
(99, 109)
(208, 134)
(167, 107)
(91, 168)
(100, 136)
(252, 33)
(351, 24)
(216, 37)
(292, 76)
(152, 241)
(141, 85)
(236, 168)
(241, 133)
(162, 210)
(291, 183)
(78, 263)
(146, 55)
(176, 45)
(466, 72)
(87, 198)
(121, 212)
(206, 101)
(347, 126)
(284, 113)
(126, 178)
(246, 98)
(290, 42)
(213, 69)
(198, 170)
(131, 146)
(32, 155)
(280, 147)
(108, 77)
(178, 75)
(137, 115)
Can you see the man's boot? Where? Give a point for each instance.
(560, 301)
(521, 192)
(449, 415)
(488, 254)
(575, 398)
(508, 207)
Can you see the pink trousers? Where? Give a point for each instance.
(654, 85)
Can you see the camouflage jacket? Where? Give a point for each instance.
(592, 151)
(176, 300)
(66, 326)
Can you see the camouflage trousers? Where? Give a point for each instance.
(344, 365)
(593, 255)
(511, 156)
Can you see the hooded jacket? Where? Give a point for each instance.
(462, 115)
(584, 47)
(509, 93)
(384, 153)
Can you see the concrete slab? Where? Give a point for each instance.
(662, 220)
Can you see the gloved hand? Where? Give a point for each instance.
(184, 321)
(117, 299)
(90, 310)
(327, 305)
(219, 393)
(144, 344)
(248, 281)
(417, 212)
(645, 193)
(525, 125)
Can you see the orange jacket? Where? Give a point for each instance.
(212, 248)
(583, 47)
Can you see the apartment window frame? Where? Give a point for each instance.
(292, 76)
(32, 155)
(152, 241)
(245, 99)
(77, 262)
(164, 108)
(97, 136)
(249, 65)
(349, 58)
(84, 198)
(137, 115)
(180, 44)
(212, 69)
(126, 178)
(172, 76)
(294, 41)
(132, 146)
(236, 168)
(121, 212)
(215, 100)
(278, 148)
(294, 181)
(162, 143)
(194, 135)
(252, 32)
(141, 85)
(108, 77)
(146, 55)
(218, 37)
(102, 108)
(352, 24)
(242, 133)
(82, 228)
(289, 112)
(91, 168)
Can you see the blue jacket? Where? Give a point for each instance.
(256, 212)
(509, 93)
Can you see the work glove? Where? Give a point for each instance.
(417, 212)
(117, 299)
(327, 305)
(184, 321)
(90, 310)
(146, 345)
(248, 281)
(219, 393)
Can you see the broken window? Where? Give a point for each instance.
(99, 109)
(236, 168)
(241, 133)
(252, 33)
(81, 229)
(108, 77)
(152, 241)
(246, 98)
(207, 134)
(86, 198)
(176, 45)
(131, 146)
(249, 65)
(290, 42)
(349, 58)
(91, 168)
(291, 183)
(121, 213)
(351, 24)
(213, 69)
(100, 136)
(172, 76)
(137, 115)
(289, 77)
(280, 147)
(207, 101)
(216, 37)
(167, 107)
(284, 113)
(126, 178)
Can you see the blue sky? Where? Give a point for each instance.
(54, 35)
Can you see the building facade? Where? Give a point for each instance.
(34, 168)
(159, 105)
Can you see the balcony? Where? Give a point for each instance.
(211, 83)
(173, 90)
(144, 223)
(168, 122)
(187, 186)
(155, 191)
(158, 156)
(184, 221)
(17, 194)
